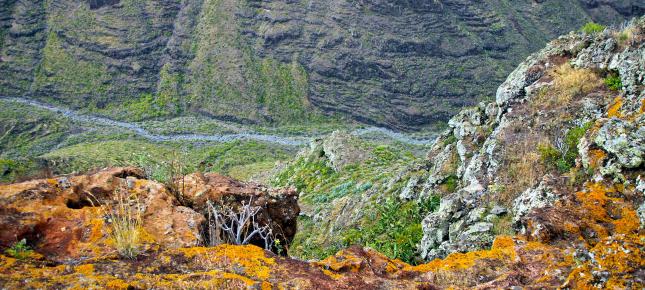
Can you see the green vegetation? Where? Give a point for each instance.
(20, 250)
(592, 28)
(395, 228)
(384, 222)
(613, 82)
(563, 156)
(451, 182)
(243, 158)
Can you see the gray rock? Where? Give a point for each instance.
(408, 191)
(476, 215)
(498, 210)
(623, 139)
(533, 198)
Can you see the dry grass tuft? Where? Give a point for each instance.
(568, 83)
(125, 216)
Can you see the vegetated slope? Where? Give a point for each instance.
(556, 160)
(392, 63)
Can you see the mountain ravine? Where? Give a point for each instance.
(391, 63)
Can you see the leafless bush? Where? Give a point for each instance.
(226, 225)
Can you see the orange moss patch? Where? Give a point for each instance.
(503, 250)
(86, 270)
(596, 201)
(614, 108)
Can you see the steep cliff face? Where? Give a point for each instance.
(393, 63)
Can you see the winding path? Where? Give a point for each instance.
(283, 140)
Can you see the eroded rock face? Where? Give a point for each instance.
(392, 63)
(278, 207)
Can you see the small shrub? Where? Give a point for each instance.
(613, 82)
(592, 28)
(20, 250)
(503, 225)
(237, 226)
(562, 156)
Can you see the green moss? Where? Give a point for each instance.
(19, 250)
(451, 182)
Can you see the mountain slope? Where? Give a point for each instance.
(393, 63)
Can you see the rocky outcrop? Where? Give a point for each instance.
(68, 218)
(498, 153)
(392, 63)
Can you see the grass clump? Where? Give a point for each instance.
(20, 250)
(125, 222)
(592, 28)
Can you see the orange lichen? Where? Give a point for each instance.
(343, 261)
(251, 258)
(503, 250)
(596, 157)
(87, 269)
(614, 109)
(595, 202)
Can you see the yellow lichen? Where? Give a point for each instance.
(614, 108)
(503, 250)
(87, 269)
(344, 260)
(251, 259)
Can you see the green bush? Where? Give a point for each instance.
(394, 228)
(592, 28)
(20, 250)
(613, 82)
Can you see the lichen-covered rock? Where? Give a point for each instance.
(624, 139)
(533, 198)
(554, 101)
